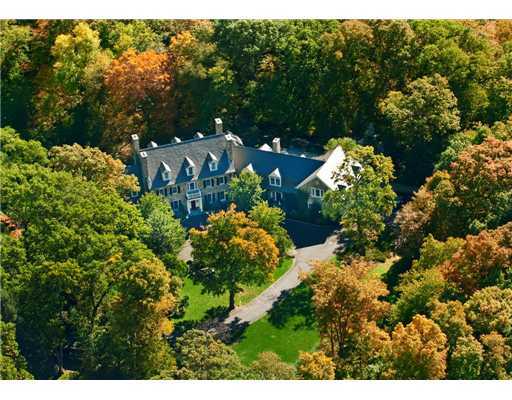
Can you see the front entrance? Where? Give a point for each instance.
(193, 205)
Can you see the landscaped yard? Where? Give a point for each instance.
(289, 328)
(200, 303)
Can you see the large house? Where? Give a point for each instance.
(194, 174)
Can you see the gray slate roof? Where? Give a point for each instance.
(175, 156)
(293, 169)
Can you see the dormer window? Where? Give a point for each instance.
(275, 178)
(213, 165)
(166, 171)
(213, 161)
(189, 166)
(190, 171)
(274, 181)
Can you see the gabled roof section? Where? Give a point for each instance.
(265, 147)
(248, 167)
(275, 173)
(211, 157)
(165, 167)
(293, 169)
(325, 173)
(182, 154)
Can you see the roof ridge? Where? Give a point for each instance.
(194, 139)
(282, 154)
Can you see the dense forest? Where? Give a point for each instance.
(91, 283)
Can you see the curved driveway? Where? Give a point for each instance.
(257, 308)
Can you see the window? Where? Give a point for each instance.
(221, 196)
(175, 189)
(175, 204)
(208, 182)
(221, 180)
(317, 193)
(208, 198)
(166, 191)
(213, 165)
(166, 176)
(275, 181)
(192, 186)
(190, 171)
(276, 196)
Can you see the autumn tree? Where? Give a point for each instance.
(346, 299)
(497, 356)
(417, 351)
(269, 366)
(200, 356)
(69, 89)
(466, 359)
(364, 198)
(245, 190)
(230, 252)
(315, 366)
(141, 98)
(94, 165)
(271, 220)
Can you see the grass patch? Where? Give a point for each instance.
(382, 268)
(289, 328)
(200, 303)
(286, 340)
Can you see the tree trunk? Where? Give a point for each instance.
(231, 299)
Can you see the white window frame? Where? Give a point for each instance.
(274, 181)
(190, 171)
(175, 204)
(192, 185)
(221, 180)
(208, 198)
(214, 165)
(166, 176)
(221, 196)
(317, 193)
(208, 183)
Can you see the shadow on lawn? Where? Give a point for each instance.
(294, 303)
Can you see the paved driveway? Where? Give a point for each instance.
(257, 308)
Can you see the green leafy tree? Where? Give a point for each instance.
(19, 151)
(271, 220)
(489, 310)
(167, 235)
(230, 252)
(365, 197)
(497, 356)
(420, 120)
(12, 363)
(245, 190)
(200, 356)
(268, 366)
(466, 359)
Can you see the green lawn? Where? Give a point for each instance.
(381, 268)
(200, 303)
(289, 328)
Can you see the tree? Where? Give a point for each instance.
(489, 310)
(417, 351)
(497, 356)
(166, 235)
(473, 195)
(345, 299)
(200, 356)
(315, 366)
(420, 120)
(245, 190)
(19, 151)
(69, 90)
(482, 260)
(230, 252)
(94, 165)
(364, 198)
(141, 98)
(466, 360)
(417, 291)
(268, 366)
(451, 318)
(106, 293)
(271, 220)
(12, 363)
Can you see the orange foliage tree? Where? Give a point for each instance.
(140, 97)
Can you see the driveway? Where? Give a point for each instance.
(259, 306)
